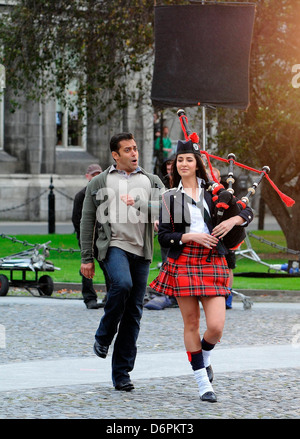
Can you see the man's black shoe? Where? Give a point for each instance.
(101, 304)
(100, 350)
(92, 304)
(127, 386)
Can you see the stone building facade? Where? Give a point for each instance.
(31, 155)
(42, 141)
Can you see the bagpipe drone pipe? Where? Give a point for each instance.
(226, 204)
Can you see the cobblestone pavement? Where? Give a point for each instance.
(40, 329)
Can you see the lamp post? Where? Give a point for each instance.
(51, 208)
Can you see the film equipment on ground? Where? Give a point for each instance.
(33, 260)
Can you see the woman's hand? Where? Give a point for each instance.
(204, 239)
(225, 226)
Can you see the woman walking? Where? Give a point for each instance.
(187, 227)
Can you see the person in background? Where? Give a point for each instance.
(167, 144)
(88, 292)
(167, 179)
(166, 171)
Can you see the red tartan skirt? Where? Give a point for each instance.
(191, 275)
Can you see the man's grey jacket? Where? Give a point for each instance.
(95, 214)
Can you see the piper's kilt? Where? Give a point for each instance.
(191, 275)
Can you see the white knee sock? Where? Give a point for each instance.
(203, 381)
(206, 357)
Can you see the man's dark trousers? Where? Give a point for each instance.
(128, 275)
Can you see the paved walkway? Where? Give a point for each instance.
(48, 370)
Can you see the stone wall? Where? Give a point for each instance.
(25, 197)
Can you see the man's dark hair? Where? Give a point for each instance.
(115, 140)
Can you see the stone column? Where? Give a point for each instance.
(49, 137)
(141, 125)
(34, 137)
(15, 132)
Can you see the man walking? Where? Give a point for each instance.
(124, 199)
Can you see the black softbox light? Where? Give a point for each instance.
(202, 55)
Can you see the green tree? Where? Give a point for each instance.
(99, 43)
(268, 133)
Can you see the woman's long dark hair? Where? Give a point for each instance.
(200, 172)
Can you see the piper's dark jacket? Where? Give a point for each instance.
(174, 220)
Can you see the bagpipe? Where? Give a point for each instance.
(226, 204)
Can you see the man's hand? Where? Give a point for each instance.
(128, 200)
(88, 270)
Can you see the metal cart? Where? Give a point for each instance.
(33, 260)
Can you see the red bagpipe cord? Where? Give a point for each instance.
(195, 139)
(287, 200)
